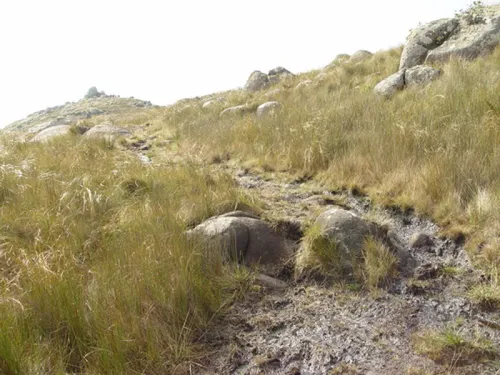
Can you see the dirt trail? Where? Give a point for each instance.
(312, 329)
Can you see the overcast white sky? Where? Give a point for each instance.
(52, 51)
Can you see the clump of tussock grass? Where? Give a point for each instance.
(374, 266)
(96, 273)
(451, 347)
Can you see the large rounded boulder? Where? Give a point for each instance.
(244, 238)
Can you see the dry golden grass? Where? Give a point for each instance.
(96, 275)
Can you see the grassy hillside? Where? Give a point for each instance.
(432, 148)
(96, 275)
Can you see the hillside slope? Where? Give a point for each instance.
(126, 250)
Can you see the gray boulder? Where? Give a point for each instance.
(421, 74)
(236, 110)
(244, 238)
(278, 74)
(425, 38)
(51, 132)
(359, 56)
(107, 131)
(257, 81)
(268, 108)
(469, 43)
(392, 84)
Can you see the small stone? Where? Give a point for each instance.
(420, 239)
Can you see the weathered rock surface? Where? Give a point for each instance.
(107, 131)
(421, 74)
(268, 108)
(392, 84)
(244, 238)
(463, 37)
(425, 38)
(257, 81)
(468, 43)
(51, 132)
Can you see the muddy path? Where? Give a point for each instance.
(309, 328)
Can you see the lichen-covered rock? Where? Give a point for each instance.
(243, 238)
(421, 74)
(392, 84)
(268, 109)
(440, 40)
(107, 131)
(469, 43)
(425, 38)
(51, 132)
(257, 81)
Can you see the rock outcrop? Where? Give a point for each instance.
(425, 38)
(461, 36)
(94, 93)
(244, 238)
(257, 81)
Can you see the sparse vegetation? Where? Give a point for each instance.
(486, 295)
